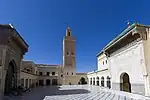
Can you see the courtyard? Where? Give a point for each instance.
(76, 92)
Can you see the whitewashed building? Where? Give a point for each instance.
(124, 63)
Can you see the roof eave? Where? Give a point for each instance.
(115, 39)
(101, 52)
(120, 36)
(23, 43)
(106, 48)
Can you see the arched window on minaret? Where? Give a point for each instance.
(68, 32)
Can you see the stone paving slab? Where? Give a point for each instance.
(77, 92)
(96, 93)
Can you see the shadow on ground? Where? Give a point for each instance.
(40, 93)
(71, 91)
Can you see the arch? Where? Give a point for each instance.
(97, 80)
(41, 82)
(26, 83)
(108, 82)
(47, 82)
(94, 81)
(54, 81)
(10, 78)
(30, 82)
(82, 80)
(90, 81)
(125, 82)
(22, 82)
(102, 81)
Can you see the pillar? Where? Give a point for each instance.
(44, 82)
(147, 87)
(89, 80)
(24, 80)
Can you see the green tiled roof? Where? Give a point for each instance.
(121, 35)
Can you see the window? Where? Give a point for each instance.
(67, 53)
(22, 82)
(67, 73)
(72, 53)
(28, 70)
(72, 73)
(61, 75)
(47, 73)
(40, 73)
(69, 33)
(103, 62)
(53, 73)
(36, 72)
(106, 61)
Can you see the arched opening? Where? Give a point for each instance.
(11, 78)
(102, 81)
(26, 83)
(108, 82)
(22, 82)
(125, 82)
(41, 82)
(91, 81)
(97, 81)
(48, 82)
(94, 81)
(82, 80)
(54, 81)
(30, 83)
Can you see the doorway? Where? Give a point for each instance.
(91, 81)
(10, 79)
(125, 82)
(94, 81)
(82, 80)
(97, 81)
(108, 82)
(102, 81)
(41, 83)
(47, 82)
(54, 81)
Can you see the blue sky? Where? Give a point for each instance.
(42, 23)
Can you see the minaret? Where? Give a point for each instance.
(69, 53)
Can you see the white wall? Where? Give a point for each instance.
(50, 69)
(99, 74)
(128, 59)
(102, 62)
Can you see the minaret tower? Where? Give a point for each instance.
(69, 54)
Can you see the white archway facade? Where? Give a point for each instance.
(128, 54)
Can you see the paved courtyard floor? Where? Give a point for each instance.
(77, 92)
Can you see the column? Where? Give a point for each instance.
(147, 87)
(44, 81)
(89, 81)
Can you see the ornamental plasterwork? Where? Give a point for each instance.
(124, 48)
(126, 56)
(141, 31)
(11, 50)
